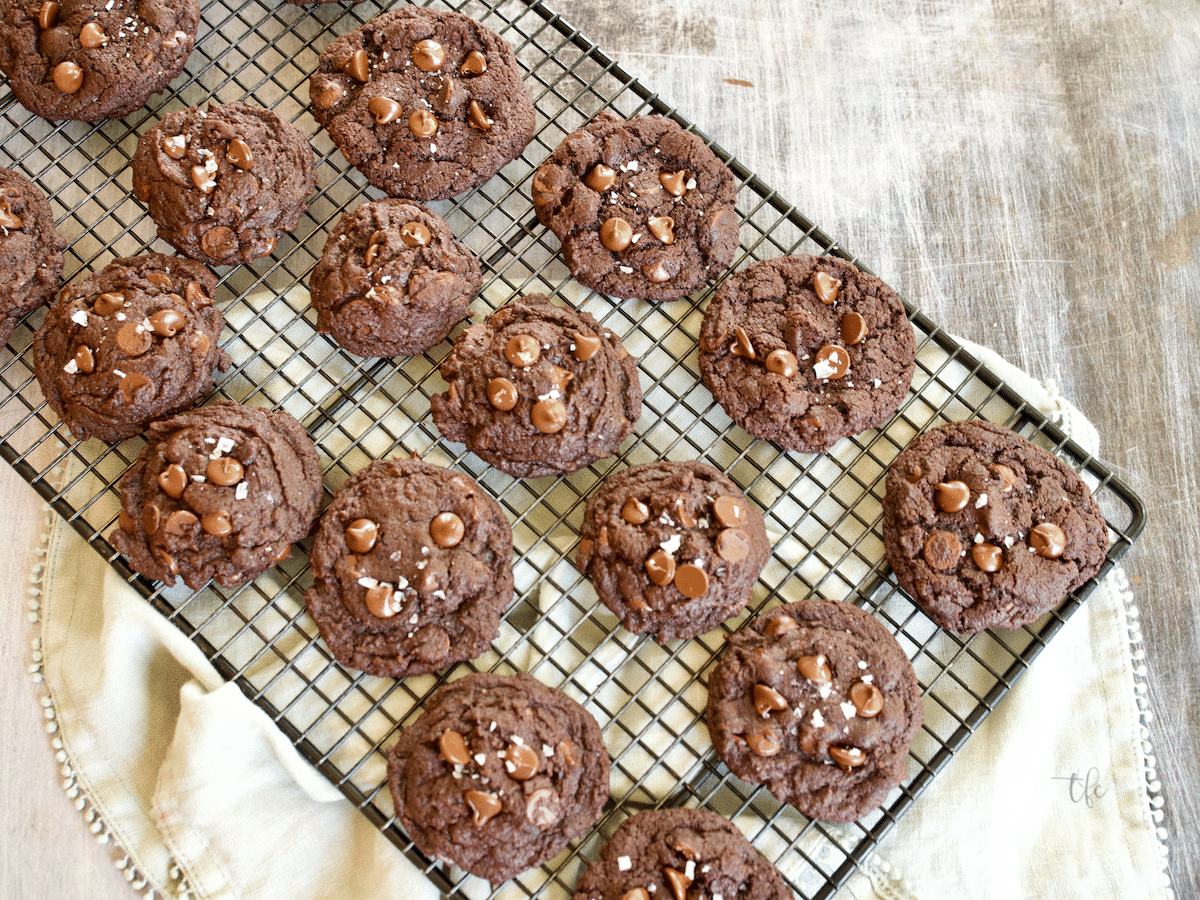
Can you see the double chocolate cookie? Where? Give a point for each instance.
(805, 350)
(132, 343)
(224, 184)
(220, 493)
(413, 568)
(393, 280)
(817, 701)
(425, 104)
(498, 774)
(985, 530)
(93, 59)
(676, 854)
(673, 548)
(642, 207)
(538, 389)
(30, 250)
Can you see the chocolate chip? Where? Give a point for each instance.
(663, 228)
(167, 322)
(48, 15)
(691, 580)
(586, 346)
(224, 471)
(814, 668)
(422, 123)
(548, 416)
(361, 535)
(175, 146)
(732, 545)
(428, 55)
(1048, 540)
(502, 394)
(656, 272)
(181, 522)
(637, 893)
(384, 109)
(942, 550)
(674, 183)
(560, 377)
(453, 748)
(988, 557)
(133, 339)
(447, 530)
(414, 234)
(173, 480)
(219, 242)
(449, 97)
(68, 77)
(780, 625)
(660, 567)
(582, 552)
(218, 524)
(635, 512)
(197, 297)
(616, 234)
(9, 220)
(764, 743)
(477, 118)
(474, 64)
(832, 362)
(730, 511)
(522, 350)
(133, 384)
(542, 808)
(358, 66)
(91, 36)
(853, 329)
(847, 758)
(484, 806)
(678, 882)
(826, 287)
(126, 522)
(867, 699)
(1006, 475)
(108, 303)
(382, 601)
(951, 496)
(768, 700)
(84, 360)
(600, 178)
(202, 180)
(239, 154)
(741, 344)
(431, 644)
(782, 363)
(151, 519)
(520, 761)
(683, 513)
(199, 342)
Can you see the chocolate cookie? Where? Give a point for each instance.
(425, 104)
(538, 389)
(985, 530)
(220, 493)
(642, 207)
(498, 774)
(817, 701)
(413, 569)
(674, 854)
(93, 59)
(393, 280)
(673, 548)
(805, 350)
(132, 343)
(223, 185)
(30, 250)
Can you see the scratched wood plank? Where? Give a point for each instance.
(1022, 171)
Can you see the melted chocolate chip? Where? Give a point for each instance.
(384, 109)
(502, 394)
(454, 749)
(660, 567)
(942, 550)
(635, 512)
(483, 806)
(239, 154)
(173, 480)
(826, 287)
(951, 496)
(361, 535)
(782, 362)
(988, 557)
(474, 64)
(428, 55)
(520, 761)
(814, 668)
(224, 471)
(522, 350)
(167, 322)
(691, 580)
(616, 234)
(600, 178)
(867, 699)
(663, 228)
(548, 416)
(586, 346)
(765, 742)
(218, 524)
(447, 530)
(382, 601)
(1048, 540)
(358, 66)
(847, 758)
(768, 700)
(68, 77)
(674, 183)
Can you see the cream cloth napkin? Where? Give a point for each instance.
(1054, 796)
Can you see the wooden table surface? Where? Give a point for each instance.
(1024, 172)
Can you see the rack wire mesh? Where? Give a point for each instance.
(823, 512)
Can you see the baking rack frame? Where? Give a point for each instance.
(823, 510)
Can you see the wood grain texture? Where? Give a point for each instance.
(1025, 172)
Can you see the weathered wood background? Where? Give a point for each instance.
(1025, 172)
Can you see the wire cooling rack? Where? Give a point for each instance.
(823, 512)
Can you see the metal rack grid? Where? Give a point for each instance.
(823, 512)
